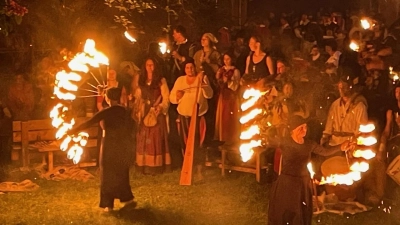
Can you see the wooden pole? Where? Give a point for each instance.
(187, 168)
(315, 193)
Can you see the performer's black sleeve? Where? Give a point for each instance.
(320, 150)
(99, 116)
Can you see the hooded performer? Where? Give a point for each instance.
(288, 205)
(115, 152)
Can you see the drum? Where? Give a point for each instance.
(338, 165)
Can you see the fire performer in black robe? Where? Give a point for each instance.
(115, 152)
(291, 195)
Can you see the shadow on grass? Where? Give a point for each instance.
(148, 216)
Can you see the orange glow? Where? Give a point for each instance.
(65, 88)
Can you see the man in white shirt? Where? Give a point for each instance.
(184, 94)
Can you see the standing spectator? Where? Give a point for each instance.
(317, 60)
(227, 118)
(240, 51)
(184, 95)
(152, 150)
(207, 59)
(181, 50)
(332, 63)
(286, 37)
(259, 65)
(21, 99)
(129, 76)
(112, 82)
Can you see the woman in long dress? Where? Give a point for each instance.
(291, 195)
(227, 119)
(152, 152)
(115, 153)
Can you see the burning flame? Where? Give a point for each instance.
(367, 141)
(365, 24)
(366, 154)
(129, 37)
(246, 149)
(354, 46)
(250, 132)
(367, 128)
(360, 167)
(163, 47)
(310, 169)
(251, 115)
(357, 167)
(338, 179)
(65, 88)
(394, 75)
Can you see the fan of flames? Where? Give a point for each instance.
(251, 139)
(65, 89)
(249, 136)
(360, 165)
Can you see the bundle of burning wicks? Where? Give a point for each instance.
(65, 89)
(364, 142)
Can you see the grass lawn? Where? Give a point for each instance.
(236, 199)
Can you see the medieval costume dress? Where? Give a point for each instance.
(291, 195)
(227, 119)
(115, 154)
(152, 152)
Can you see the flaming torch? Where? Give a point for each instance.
(365, 24)
(314, 186)
(250, 135)
(360, 158)
(65, 89)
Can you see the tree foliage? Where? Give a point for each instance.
(156, 17)
(11, 13)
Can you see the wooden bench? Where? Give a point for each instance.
(254, 166)
(28, 136)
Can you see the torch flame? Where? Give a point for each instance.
(129, 37)
(365, 24)
(367, 128)
(250, 132)
(251, 115)
(354, 46)
(66, 85)
(163, 47)
(246, 149)
(360, 167)
(367, 141)
(357, 167)
(366, 154)
(337, 179)
(310, 169)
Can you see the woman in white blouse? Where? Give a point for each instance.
(184, 94)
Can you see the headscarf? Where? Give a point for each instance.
(129, 64)
(296, 121)
(211, 37)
